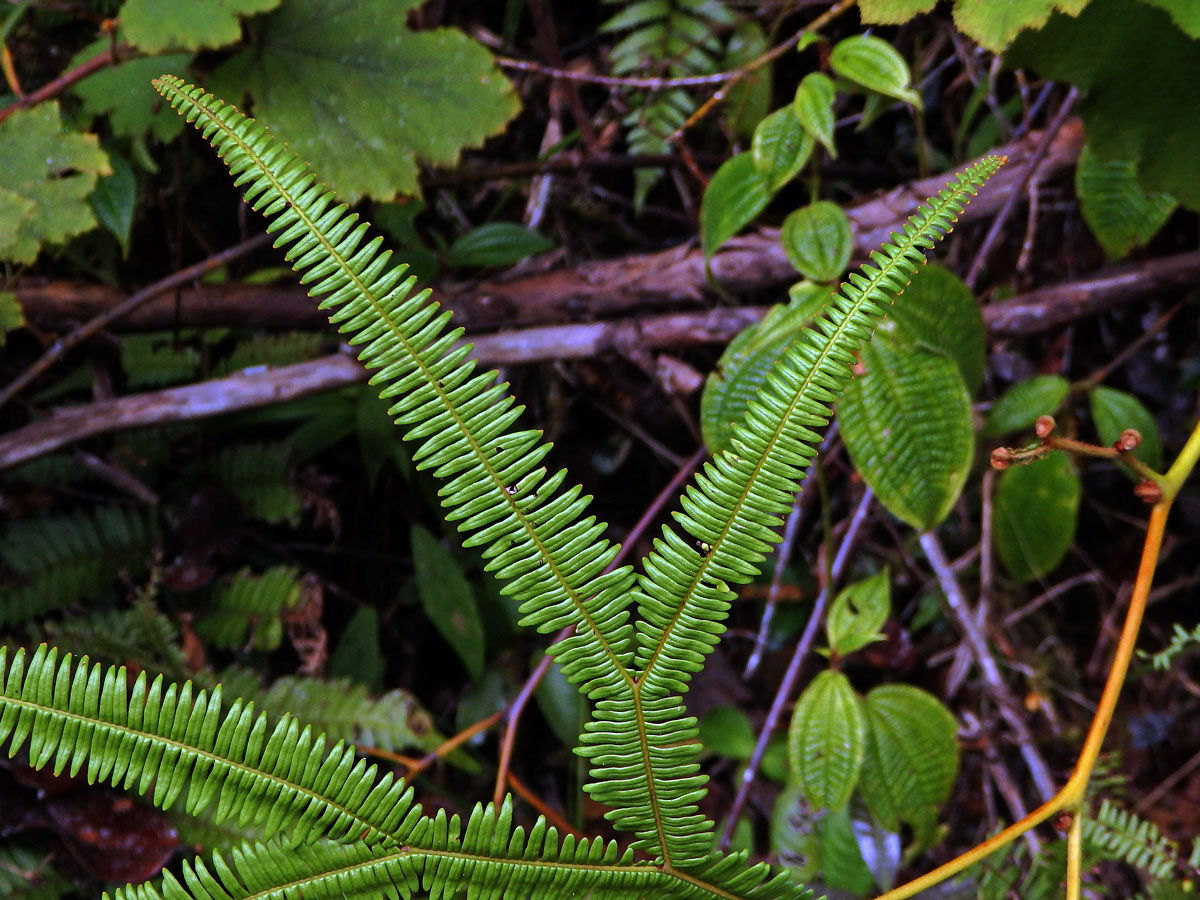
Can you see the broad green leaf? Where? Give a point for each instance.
(12, 316)
(1022, 403)
(736, 194)
(1120, 214)
(115, 198)
(813, 107)
(1113, 411)
(48, 173)
(818, 241)
(842, 864)
(827, 740)
(892, 12)
(726, 731)
(749, 100)
(563, 707)
(357, 655)
(938, 312)
(907, 424)
(794, 834)
(994, 25)
(911, 757)
(121, 93)
(497, 244)
(748, 359)
(858, 613)
(876, 65)
(1111, 51)
(153, 26)
(448, 600)
(1033, 515)
(1184, 13)
(780, 148)
(361, 97)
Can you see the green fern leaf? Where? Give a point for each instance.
(248, 610)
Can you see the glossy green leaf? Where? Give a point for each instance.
(1034, 512)
(497, 244)
(911, 756)
(1113, 411)
(780, 148)
(827, 740)
(994, 25)
(120, 93)
(938, 312)
(858, 613)
(749, 357)
(154, 26)
(1111, 51)
(1119, 212)
(818, 241)
(907, 424)
(49, 172)
(1022, 403)
(874, 64)
(114, 200)
(892, 12)
(362, 97)
(737, 193)
(726, 731)
(448, 600)
(813, 107)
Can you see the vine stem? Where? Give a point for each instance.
(1071, 796)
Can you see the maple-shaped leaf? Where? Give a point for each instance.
(154, 26)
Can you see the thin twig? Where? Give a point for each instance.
(993, 234)
(59, 85)
(60, 347)
(791, 676)
(782, 557)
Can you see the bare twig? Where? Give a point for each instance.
(783, 556)
(60, 84)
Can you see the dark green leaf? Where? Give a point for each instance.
(842, 864)
(12, 316)
(818, 240)
(780, 148)
(358, 656)
(827, 740)
(1185, 14)
(1121, 215)
(874, 63)
(1033, 515)
(907, 424)
(497, 244)
(562, 705)
(748, 100)
(736, 194)
(361, 97)
(448, 600)
(120, 92)
(115, 198)
(912, 755)
(1113, 411)
(726, 731)
(813, 106)
(858, 613)
(1022, 403)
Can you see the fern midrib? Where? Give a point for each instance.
(190, 750)
(798, 396)
(433, 382)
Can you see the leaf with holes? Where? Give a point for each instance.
(818, 241)
(737, 193)
(827, 740)
(874, 64)
(362, 97)
(1024, 402)
(858, 613)
(911, 755)
(1114, 411)
(1034, 512)
(907, 424)
(1119, 212)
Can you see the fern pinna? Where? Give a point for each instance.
(352, 832)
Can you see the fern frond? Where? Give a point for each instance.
(26, 875)
(258, 476)
(159, 739)
(248, 609)
(536, 536)
(730, 511)
(1121, 834)
(61, 559)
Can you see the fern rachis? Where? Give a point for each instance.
(535, 536)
